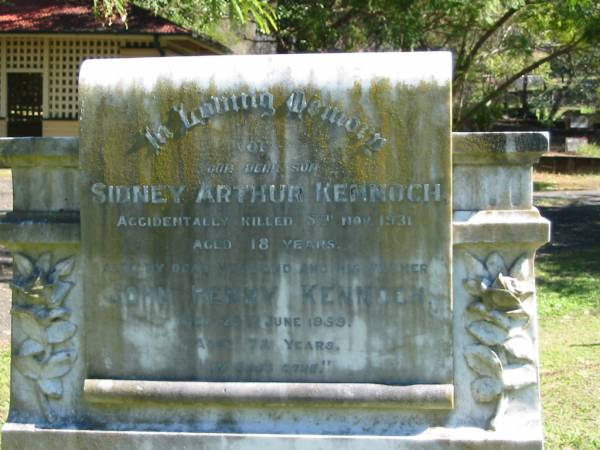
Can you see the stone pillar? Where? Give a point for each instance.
(42, 232)
(496, 233)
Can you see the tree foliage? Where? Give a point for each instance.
(494, 42)
(196, 14)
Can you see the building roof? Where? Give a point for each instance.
(77, 16)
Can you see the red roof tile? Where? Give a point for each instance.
(76, 16)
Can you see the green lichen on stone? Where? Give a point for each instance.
(413, 153)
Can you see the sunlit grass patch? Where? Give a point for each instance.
(568, 281)
(4, 383)
(589, 150)
(570, 380)
(569, 304)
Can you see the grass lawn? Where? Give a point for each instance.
(543, 181)
(570, 347)
(589, 150)
(4, 384)
(4, 381)
(569, 306)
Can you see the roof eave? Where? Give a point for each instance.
(202, 40)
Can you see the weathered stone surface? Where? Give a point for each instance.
(18, 436)
(499, 148)
(331, 395)
(39, 152)
(298, 232)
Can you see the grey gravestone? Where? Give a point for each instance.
(572, 144)
(282, 221)
(579, 122)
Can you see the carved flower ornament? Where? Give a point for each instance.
(43, 356)
(504, 357)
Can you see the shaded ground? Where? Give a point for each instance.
(575, 217)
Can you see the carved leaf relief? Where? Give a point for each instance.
(475, 268)
(495, 265)
(503, 357)
(43, 263)
(500, 298)
(474, 287)
(486, 389)
(59, 292)
(58, 313)
(495, 317)
(519, 376)
(487, 333)
(483, 361)
(30, 347)
(59, 364)
(52, 388)
(39, 314)
(23, 265)
(520, 347)
(32, 328)
(64, 268)
(521, 269)
(29, 367)
(60, 331)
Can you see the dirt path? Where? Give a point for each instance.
(572, 198)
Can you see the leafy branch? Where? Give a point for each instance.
(502, 88)
(194, 13)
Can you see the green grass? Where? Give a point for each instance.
(539, 186)
(569, 306)
(544, 181)
(589, 150)
(569, 282)
(4, 384)
(4, 381)
(570, 378)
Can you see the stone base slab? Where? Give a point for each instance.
(24, 436)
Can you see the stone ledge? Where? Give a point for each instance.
(39, 152)
(418, 397)
(16, 230)
(520, 148)
(27, 436)
(490, 227)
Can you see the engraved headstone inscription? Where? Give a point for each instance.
(269, 219)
